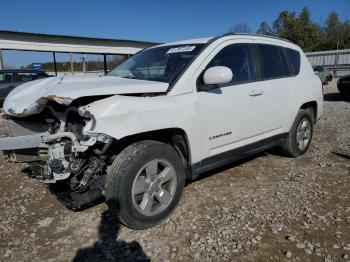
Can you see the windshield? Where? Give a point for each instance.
(163, 63)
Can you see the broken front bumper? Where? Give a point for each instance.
(21, 142)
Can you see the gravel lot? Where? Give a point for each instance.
(263, 208)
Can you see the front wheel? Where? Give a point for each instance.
(144, 184)
(300, 135)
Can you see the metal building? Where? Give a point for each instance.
(337, 61)
(10, 40)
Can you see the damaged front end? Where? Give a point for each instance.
(59, 148)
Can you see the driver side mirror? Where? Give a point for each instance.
(217, 75)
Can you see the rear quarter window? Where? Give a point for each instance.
(277, 61)
(293, 57)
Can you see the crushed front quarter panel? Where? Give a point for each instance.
(31, 98)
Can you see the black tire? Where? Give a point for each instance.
(123, 173)
(344, 93)
(290, 146)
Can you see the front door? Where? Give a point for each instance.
(231, 115)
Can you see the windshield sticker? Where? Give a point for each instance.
(181, 49)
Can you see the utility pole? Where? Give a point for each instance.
(336, 60)
(105, 63)
(84, 63)
(71, 63)
(54, 62)
(1, 61)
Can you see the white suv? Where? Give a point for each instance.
(167, 114)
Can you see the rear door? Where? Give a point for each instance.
(277, 86)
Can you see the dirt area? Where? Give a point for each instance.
(265, 208)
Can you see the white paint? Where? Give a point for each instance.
(217, 75)
(251, 111)
(23, 100)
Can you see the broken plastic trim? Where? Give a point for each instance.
(60, 100)
(38, 106)
(91, 124)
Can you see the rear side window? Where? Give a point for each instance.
(25, 77)
(238, 58)
(277, 62)
(293, 57)
(272, 65)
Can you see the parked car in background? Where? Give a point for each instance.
(9, 79)
(323, 73)
(343, 85)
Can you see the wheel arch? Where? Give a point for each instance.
(176, 137)
(311, 105)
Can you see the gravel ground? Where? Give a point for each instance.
(263, 208)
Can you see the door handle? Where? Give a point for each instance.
(256, 92)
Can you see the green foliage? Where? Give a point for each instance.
(309, 35)
(265, 29)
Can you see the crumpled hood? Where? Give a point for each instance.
(31, 97)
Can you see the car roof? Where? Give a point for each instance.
(206, 40)
(21, 71)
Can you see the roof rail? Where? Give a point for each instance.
(250, 34)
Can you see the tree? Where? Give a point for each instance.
(286, 25)
(265, 29)
(346, 34)
(333, 32)
(240, 28)
(309, 34)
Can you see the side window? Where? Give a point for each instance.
(293, 57)
(238, 58)
(271, 61)
(25, 77)
(5, 78)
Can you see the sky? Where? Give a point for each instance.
(148, 20)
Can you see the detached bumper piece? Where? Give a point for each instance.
(21, 142)
(25, 137)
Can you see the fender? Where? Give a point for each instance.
(122, 116)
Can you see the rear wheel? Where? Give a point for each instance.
(145, 183)
(300, 135)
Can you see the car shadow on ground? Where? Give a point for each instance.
(345, 155)
(335, 97)
(108, 248)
